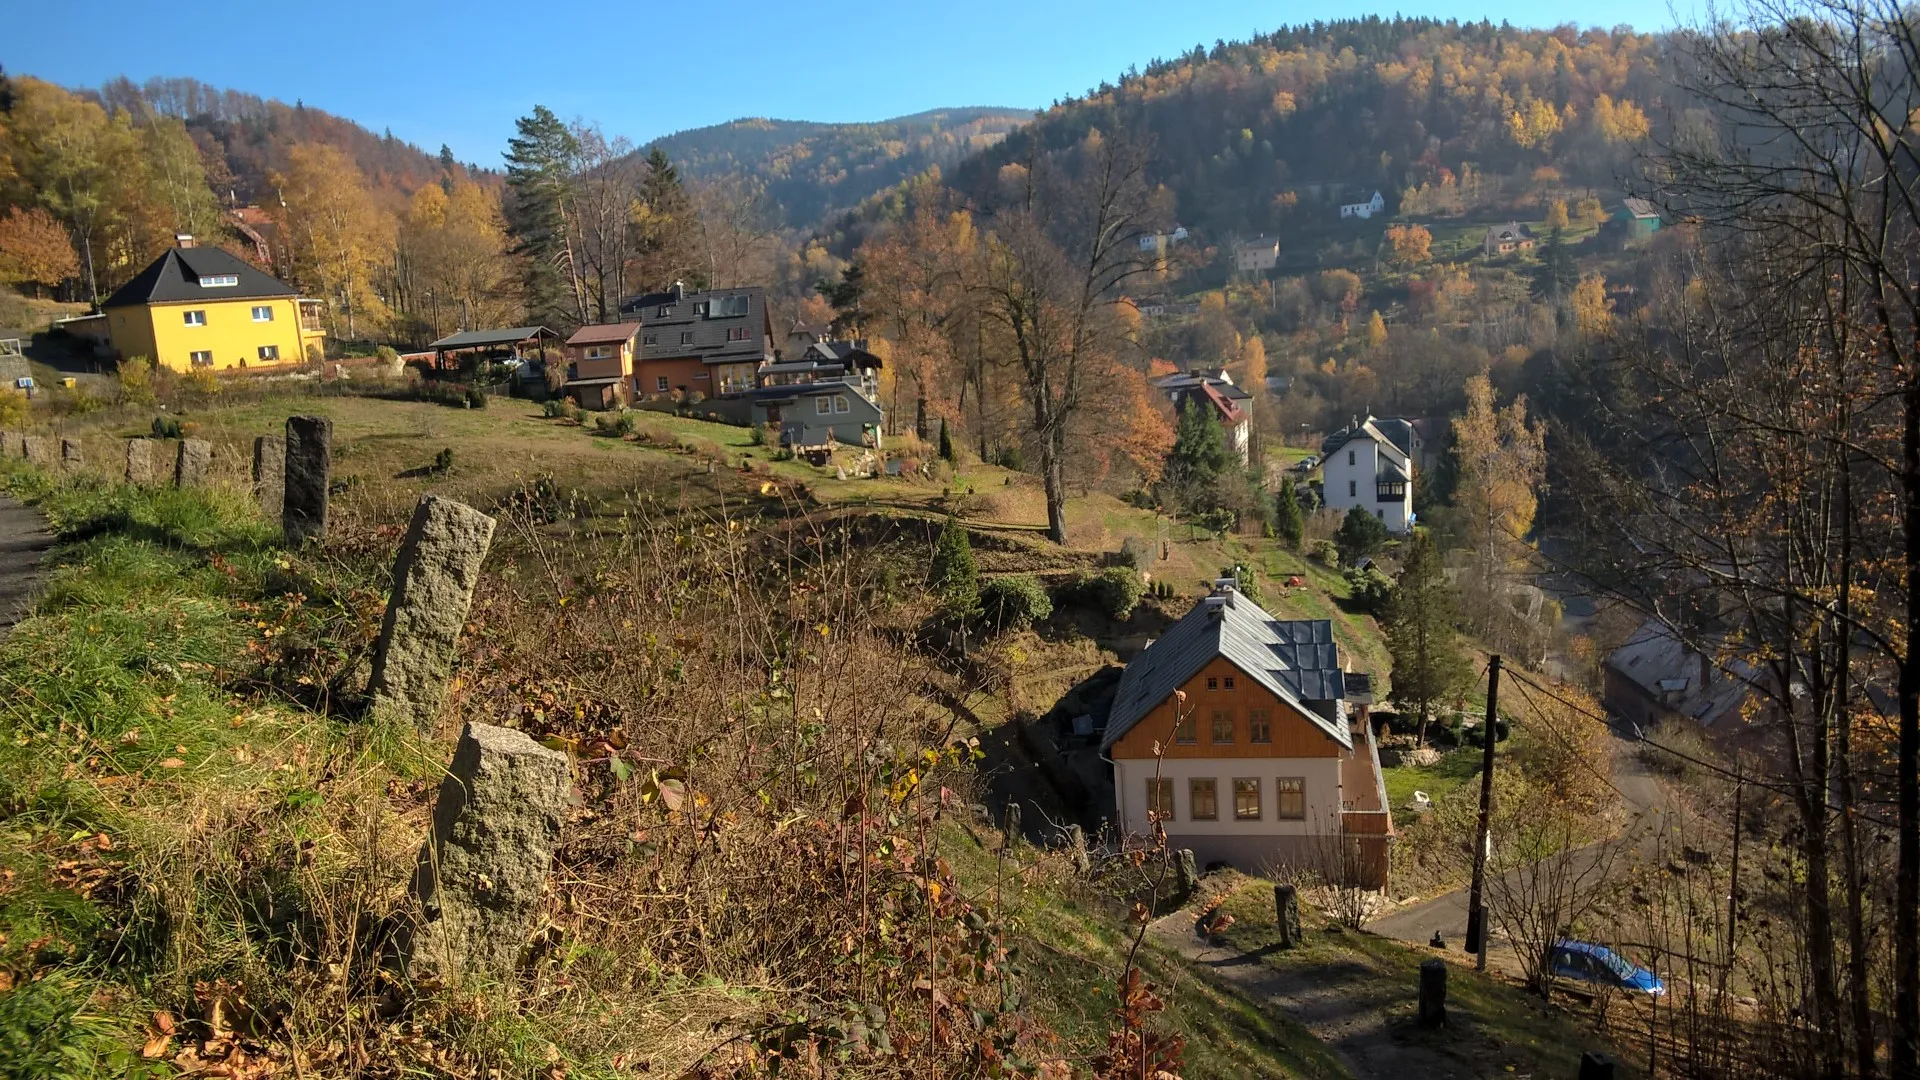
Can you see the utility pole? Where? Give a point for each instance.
(1482, 840)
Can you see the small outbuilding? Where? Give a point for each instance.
(508, 343)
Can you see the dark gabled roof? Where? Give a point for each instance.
(175, 278)
(604, 333)
(1390, 453)
(1295, 659)
(474, 339)
(684, 315)
(848, 353)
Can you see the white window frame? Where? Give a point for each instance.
(1257, 810)
(599, 352)
(220, 281)
(822, 406)
(268, 352)
(195, 317)
(840, 404)
(659, 384)
(193, 358)
(263, 313)
(1284, 786)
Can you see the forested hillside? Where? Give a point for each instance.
(1258, 135)
(811, 170)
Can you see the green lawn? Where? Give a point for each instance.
(1452, 770)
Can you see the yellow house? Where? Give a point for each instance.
(200, 307)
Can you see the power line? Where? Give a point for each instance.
(1605, 778)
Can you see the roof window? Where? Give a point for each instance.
(219, 281)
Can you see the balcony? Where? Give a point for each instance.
(1393, 492)
(313, 316)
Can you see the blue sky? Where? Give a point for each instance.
(459, 73)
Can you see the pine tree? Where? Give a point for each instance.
(1288, 520)
(1428, 663)
(1557, 274)
(1360, 534)
(541, 161)
(665, 224)
(1198, 460)
(946, 442)
(954, 577)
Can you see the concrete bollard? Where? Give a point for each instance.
(479, 879)
(270, 475)
(193, 463)
(308, 475)
(1433, 993)
(433, 581)
(1286, 912)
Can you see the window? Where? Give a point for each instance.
(1222, 726)
(1203, 800)
(1259, 726)
(599, 352)
(1213, 683)
(220, 281)
(203, 358)
(823, 406)
(726, 307)
(840, 404)
(1183, 730)
(262, 313)
(195, 318)
(269, 352)
(660, 383)
(698, 375)
(1160, 797)
(1290, 798)
(700, 309)
(650, 339)
(686, 337)
(1381, 514)
(736, 333)
(1227, 682)
(665, 310)
(1246, 800)
(1351, 490)
(1349, 457)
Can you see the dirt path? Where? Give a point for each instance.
(24, 541)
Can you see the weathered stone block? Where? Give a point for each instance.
(270, 475)
(1186, 876)
(1286, 911)
(480, 877)
(1076, 839)
(72, 457)
(193, 463)
(141, 462)
(309, 471)
(39, 449)
(433, 581)
(1433, 993)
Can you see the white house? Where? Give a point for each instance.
(1233, 731)
(1162, 241)
(1364, 210)
(1212, 388)
(1364, 466)
(1258, 255)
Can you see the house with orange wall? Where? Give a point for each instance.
(1236, 733)
(600, 364)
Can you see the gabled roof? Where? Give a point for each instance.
(1390, 454)
(694, 313)
(851, 354)
(1512, 230)
(1640, 208)
(1230, 413)
(1296, 660)
(604, 333)
(474, 339)
(175, 278)
(1660, 664)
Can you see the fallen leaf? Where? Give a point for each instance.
(163, 1021)
(156, 1047)
(172, 763)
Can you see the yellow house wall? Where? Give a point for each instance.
(230, 332)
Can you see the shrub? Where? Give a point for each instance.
(443, 461)
(625, 424)
(1217, 521)
(1360, 534)
(1137, 553)
(136, 380)
(476, 398)
(1115, 591)
(387, 354)
(166, 427)
(1370, 589)
(553, 408)
(14, 407)
(953, 575)
(314, 356)
(1010, 456)
(203, 381)
(1015, 602)
(1325, 552)
(946, 443)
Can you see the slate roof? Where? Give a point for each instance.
(850, 354)
(1295, 659)
(175, 278)
(1660, 664)
(683, 315)
(1390, 453)
(604, 333)
(474, 339)
(1512, 230)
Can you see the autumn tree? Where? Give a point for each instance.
(338, 238)
(35, 250)
(452, 260)
(1376, 331)
(605, 187)
(1429, 665)
(1557, 215)
(1409, 245)
(1499, 459)
(1592, 311)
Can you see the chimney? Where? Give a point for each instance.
(184, 240)
(1224, 585)
(679, 290)
(1706, 671)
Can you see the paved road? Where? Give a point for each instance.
(24, 540)
(1447, 913)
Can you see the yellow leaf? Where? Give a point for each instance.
(172, 763)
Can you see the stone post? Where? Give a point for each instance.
(1286, 911)
(1077, 849)
(1011, 824)
(1433, 993)
(479, 879)
(270, 475)
(309, 471)
(72, 457)
(433, 581)
(38, 450)
(1595, 1065)
(140, 467)
(1186, 876)
(192, 463)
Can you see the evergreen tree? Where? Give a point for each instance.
(1198, 460)
(954, 577)
(1557, 274)
(1360, 534)
(848, 297)
(1429, 664)
(541, 160)
(665, 227)
(946, 442)
(1288, 520)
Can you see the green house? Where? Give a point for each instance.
(1638, 218)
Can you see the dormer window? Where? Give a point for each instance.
(219, 281)
(665, 310)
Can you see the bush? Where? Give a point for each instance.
(553, 408)
(203, 381)
(14, 407)
(136, 380)
(1217, 521)
(953, 577)
(1360, 534)
(476, 398)
(443, 461)
(1370, 589)
(625, 424)
(1015, 602)
(1137, 553)
(1011, 457)
(1115, 591)
(1325, 552)
(166, 427)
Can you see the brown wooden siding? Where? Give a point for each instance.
(1294, 735)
